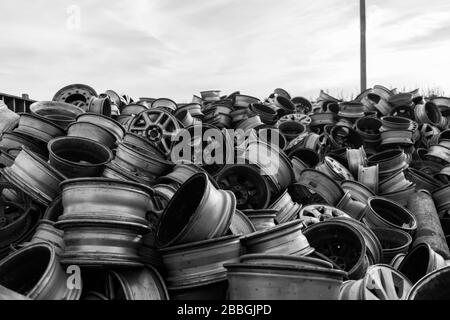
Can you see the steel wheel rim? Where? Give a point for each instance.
(77, 94)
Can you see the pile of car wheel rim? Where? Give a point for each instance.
(226, 197)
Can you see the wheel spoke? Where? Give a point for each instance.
(315, 213)
(134, 127)
(388, 283)
(196, 143)
(382, 283)
(233, 179)
(225, 183)
(146, 118)
(109, 287)
(166, 122)
(167, 134)
(376, 285)
(165, 146)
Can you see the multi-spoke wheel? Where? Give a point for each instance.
(245, 181)
(301, 118)
(316, 213)
(381, 282)
(335, 170)
(158, 126)
(385, 283)
(341, 243)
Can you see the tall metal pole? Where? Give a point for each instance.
(363, 45)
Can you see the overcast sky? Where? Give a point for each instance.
(175, 48)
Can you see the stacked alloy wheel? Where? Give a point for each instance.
(226, 197)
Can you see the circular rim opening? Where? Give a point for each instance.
(181, 209)
(292, 128)
(396, 120)
(80, 152)
(285, 103)
(369, 123)
(415, 265)
(322, 235)
(392, 240)
(392, 213)
(432, 112)
(23, 271)
(385, 156)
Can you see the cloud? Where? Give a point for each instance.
(406, 43)
(173, 48)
